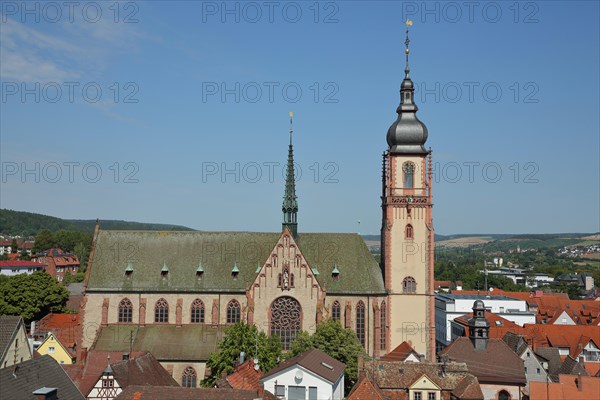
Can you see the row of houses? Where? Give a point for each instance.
(55, 262)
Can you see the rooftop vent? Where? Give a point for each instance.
(327, 365)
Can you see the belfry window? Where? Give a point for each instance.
(409, 285)
(408, 169)
(408, 233)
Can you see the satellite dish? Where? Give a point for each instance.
(491, 289)
(299, 375)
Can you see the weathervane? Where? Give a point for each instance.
(407, 42)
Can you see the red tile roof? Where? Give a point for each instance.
(20, 264)
(364, 389)
(573, 337)
(181, 393)
(498, 326)
(245, 377)
(63, 326)
(569, 387)
(400, 353)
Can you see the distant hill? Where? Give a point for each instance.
(26, 223)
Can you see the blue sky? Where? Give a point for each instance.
(191, 124)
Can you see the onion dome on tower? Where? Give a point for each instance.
(407, 134)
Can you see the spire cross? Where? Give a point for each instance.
(407, 42)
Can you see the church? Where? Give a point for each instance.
(173, 293)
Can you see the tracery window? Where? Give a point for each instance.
(197, 312)
(125, 310)
(408, 169)
(409, 285)
(161, 311)
(382, 323)
(234, 312)
(188, 378)
(360, 322)
(286, 319)
(336, 311)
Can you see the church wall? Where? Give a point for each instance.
(176, 370)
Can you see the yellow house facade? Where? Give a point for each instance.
(55, 349)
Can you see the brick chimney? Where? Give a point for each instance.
(579, 382)
(361, 367)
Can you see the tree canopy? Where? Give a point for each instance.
(243, 337)
(334, 340)
(31, 296)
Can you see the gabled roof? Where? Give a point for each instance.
(20, 264)
(143, 370)
(315, 361)
(568, 388)
(218, 251)
(180, 393)
(516, 342)
(67, 350)
(496, 364)
(245, 377)
(573, 337)
(400, 353)
(499, 326)
(20, 381)
(9, 326)
(63, 326)
(570, 366)
(364, 389)
(166, 342)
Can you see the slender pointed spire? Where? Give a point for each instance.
(290, 202)
(407, 51)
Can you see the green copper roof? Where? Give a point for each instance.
(164, 268)
(335, 270)
(315, 271)
(129, 267)
(235, 268)
(258, 267)
(218, 252)
(200, 269)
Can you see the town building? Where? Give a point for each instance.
(14, 344)
(58, 333)
(245, 376)
(177, 285)
(58, 262)
(534, 364)
(402, 353)
(310, 375)
(499, 370)
(568, 387)
(37, 378)
(449, 306)
(54, 348)
(16, 267)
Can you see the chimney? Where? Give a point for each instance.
(579, 382)
(125, 356)
(361, 367)
(224, 374)
(581, 361)
(46, 393)
(83, 355)
(242, 357)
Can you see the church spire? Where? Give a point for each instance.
(408, 134)
(290, 203)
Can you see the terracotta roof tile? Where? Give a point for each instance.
(63, 326)
(569, 387)
(180, 393)
(400, 353)
(245, 377)
(364, 389)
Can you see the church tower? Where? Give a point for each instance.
(290, 202)
(407, 236)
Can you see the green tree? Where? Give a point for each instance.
(336, 341)
(14, 246)
(44, 240)
(31, 296)
(243, 337)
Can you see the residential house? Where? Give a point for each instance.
(568, 387)
(534, 365)
(16, 267)
(499, 370)
(578, 341)
(53, 347)
(35, 379)
(144, 370)
(311, 375)
(245, 376)
(14, 344)
(395, 380)
(58, 262)
(403, 353)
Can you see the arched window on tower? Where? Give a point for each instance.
(382, 326)
(188, 378)
(409, 285)
(197, 312)
(408, 170)
(234, 312)
(125, 310)
(161, 311)
(408, 231)
(360, 322)
(336, 311)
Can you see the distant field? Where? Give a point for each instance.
(595, 238)
(593, 263)
(587, 243)
(593, 256)
(464, 241)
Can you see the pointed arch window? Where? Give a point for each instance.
(125, 310)
(336, 311)
(234, 312)
(409, 285)
(161, 311)
(189, 377)
(360, 322)
(408, 170)
(408, 232)
(382, 325)
(197, 312)
(286, 319)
